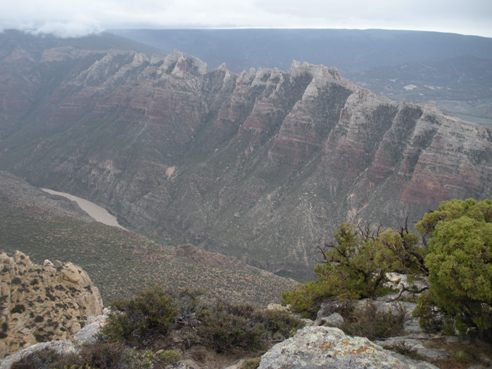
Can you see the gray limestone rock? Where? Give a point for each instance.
(88, 334)
(416, 344)
(329, 348)
(334, 320)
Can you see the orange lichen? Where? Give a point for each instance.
(360, 350)
(325, 346)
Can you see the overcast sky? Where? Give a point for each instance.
(78, 17)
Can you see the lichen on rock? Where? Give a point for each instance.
(42, 302)
(329, 348)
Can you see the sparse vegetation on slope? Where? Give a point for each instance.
(120, 262)
(153, 316)
(94, 356)
(155, 329)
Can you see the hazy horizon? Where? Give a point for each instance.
(79, 17)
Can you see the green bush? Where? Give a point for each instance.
(460, 262)
(148, 319)
(169, 357)
(107, 356)
(278, 324)
(151, 313)
(228, 328)
(355, 267)
(241, 328)
(306, 298)
(456, 256)
(373, 324)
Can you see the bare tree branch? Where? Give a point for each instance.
(406, 289)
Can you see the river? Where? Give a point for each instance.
(96, 212)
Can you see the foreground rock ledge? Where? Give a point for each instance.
(330, 348)
(42, 302)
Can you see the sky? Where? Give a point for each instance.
(79, 17)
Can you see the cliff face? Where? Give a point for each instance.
(261, 165)
(42, 302)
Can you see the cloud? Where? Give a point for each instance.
(79, 17)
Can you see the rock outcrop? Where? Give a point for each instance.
(403, 334)
(330, 348)
(43, 302)
(93, 325)
(260, 165)
(71, 345)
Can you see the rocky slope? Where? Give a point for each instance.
(42, 302)
(261, 165)
(121, 262)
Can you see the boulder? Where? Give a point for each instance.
(416, 344)
(334, 320)
(89, 333)
(412, 326)
(329, 348)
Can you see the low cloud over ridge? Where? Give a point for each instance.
(80, 17)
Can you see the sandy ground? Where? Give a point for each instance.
(96, 212)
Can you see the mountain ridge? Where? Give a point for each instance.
(450, 70)
(260, 165)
